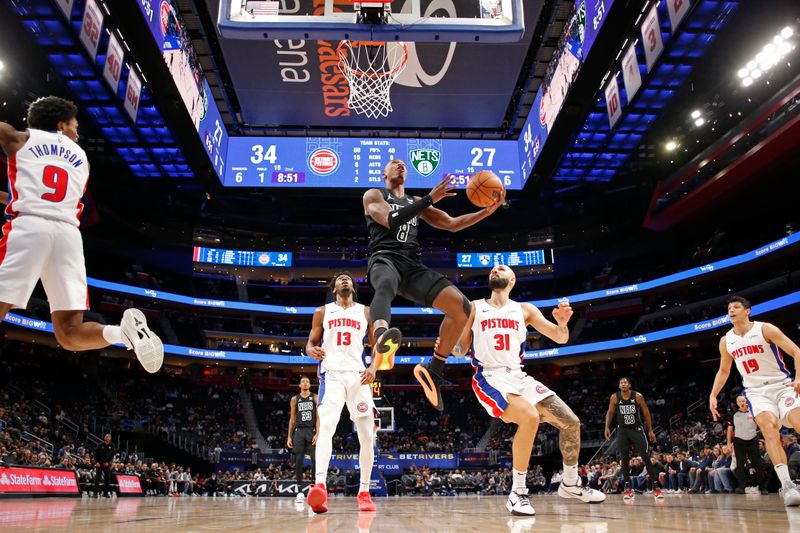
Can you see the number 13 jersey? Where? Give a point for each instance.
(498, 335)
(758, 361)
(47, 178)
(343, 332)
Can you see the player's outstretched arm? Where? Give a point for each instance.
(441, 220)
(313, 348)
(11, 140)
(612, 406)
(725, 361)
(773, 335)
(558, 332)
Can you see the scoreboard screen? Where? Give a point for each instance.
(219, 256)
(358, 162)
(511, 259)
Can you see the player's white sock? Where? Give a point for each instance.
(366, 455)
(570, 474)
(324, 448)
(518, 479)
(783, 475)
(112, 334)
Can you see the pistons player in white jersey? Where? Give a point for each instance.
(496, 329)
(337, 342)
(47, 175)
(771, 394)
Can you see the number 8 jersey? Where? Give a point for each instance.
(758, 361)
(47, 178)
(343, 332)
(498, 335)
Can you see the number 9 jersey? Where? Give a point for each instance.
(343, 332)
(47, 178)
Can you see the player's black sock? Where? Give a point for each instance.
(379, 332)
(436, 366)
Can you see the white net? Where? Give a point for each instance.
(370, 69)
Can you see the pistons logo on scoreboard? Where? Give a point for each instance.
(263, 259)
(323, 161)
(362, 407)
(541, 389)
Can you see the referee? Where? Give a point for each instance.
(743, 435)
(303, 430)
(629, 408)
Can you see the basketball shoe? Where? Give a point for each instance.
(365, 502)
(300, 498)
(385, 347)
(318, 498)
(791, 496)
(519, 504)
(138, 337)
(628, 494)
(657, 494)
(579, 492)
(431, 385)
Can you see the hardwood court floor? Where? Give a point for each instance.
(677, 513)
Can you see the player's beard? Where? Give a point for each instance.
(345, 292)
(498, 283)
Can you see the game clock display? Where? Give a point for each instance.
(358, 162)
(511, 259)
(219, 256)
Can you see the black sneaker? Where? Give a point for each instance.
(385, 347)
(430, 386)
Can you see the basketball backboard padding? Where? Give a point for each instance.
(413, 24)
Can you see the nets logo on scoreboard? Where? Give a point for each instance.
(425, 161)
(323, 161)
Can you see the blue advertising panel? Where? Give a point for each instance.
(358, 162)
(219, 256)
(596, 13)
(511, 259)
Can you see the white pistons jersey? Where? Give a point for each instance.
(47, 178)
(498, 335)
(343, 332)
(758, 361)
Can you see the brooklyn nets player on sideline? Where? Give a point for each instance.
(303, 429)
(629, 409)
(395, 268)
(768, 387)
(337, 342)
(47, 175)
(497, 328)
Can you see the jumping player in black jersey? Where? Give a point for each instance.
(629, 408)
(395, 268)
(303, 429)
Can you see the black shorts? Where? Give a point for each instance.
(635, 438)
(416, 282)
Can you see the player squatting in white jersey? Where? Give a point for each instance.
(47, 177)
(771, 394)
(336, 340)
(497, 329)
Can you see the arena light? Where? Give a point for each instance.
(695, 114)
(699, 122)
(768, 57)
(671, 146)
(2, 66)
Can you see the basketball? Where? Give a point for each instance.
(484, 188)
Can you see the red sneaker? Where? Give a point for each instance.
(365, 502)
(628, 495)
(317, 498)
(657, 494)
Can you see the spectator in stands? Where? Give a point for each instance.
(685, 467)
(700, 483)
(721, 477)
(669, 476)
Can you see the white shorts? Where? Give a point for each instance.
(340, 387)
(776, 398)
(493, 385)
(34, 248)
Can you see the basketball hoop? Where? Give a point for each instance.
(370, 69)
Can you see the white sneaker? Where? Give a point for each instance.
(519, 504)
(138, 337)
(791, 496)
(300, 498)
(578, 491)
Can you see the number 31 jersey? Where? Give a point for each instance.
(498, 335)
(758, 361)
(343, 332)
(47, 178)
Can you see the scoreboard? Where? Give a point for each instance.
(358, 162)
(219, 256)
(511, 259)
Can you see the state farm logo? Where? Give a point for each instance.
(323, 161)
(4, 480)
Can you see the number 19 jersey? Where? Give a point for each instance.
(47, 178)
(498, 335)
(343, 332)
(758, 361)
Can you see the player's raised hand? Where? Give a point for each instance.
(562, 313)
(444, 189)
(499, 199)
(368, 375)
(317, 353)
(712, 405)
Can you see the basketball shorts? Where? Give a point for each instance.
(777, 398)
(493, 385)
(34, 248)
(340, 387)
(415, 281)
